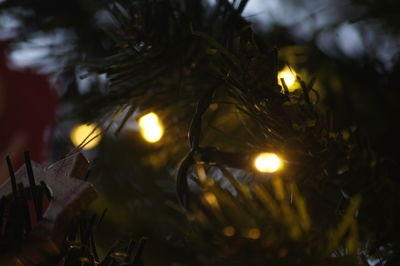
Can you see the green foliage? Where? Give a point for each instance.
(264, 223)
(243, 69)
(334, 203)
(80, 247)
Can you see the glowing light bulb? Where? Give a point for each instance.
(211, 199)
(253, 233)
(289, 77)
(268, 162)
(229, 231)
(86, 134)
(151, 128)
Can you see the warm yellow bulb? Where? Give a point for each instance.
(211, 199)
(253, 233)
(86, 134)
(151, 128)
(289, 76)
(268, 162)
(229, 231)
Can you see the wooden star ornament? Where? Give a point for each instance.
(37, 204)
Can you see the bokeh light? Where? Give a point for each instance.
(87, 134)
(253, 233)
(289, 76)
(151, 127)
(211, 199)
(267, 162)
(229, 231)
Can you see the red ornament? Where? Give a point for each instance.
(27, 113)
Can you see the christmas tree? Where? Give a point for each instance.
(219, 140)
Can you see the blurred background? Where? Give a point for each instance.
(350, 47)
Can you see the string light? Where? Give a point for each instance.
(267, 162)
(211, 199)
(86, 133)
(289, 77)
(253, 233)
(229, 231)
(150, 127)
